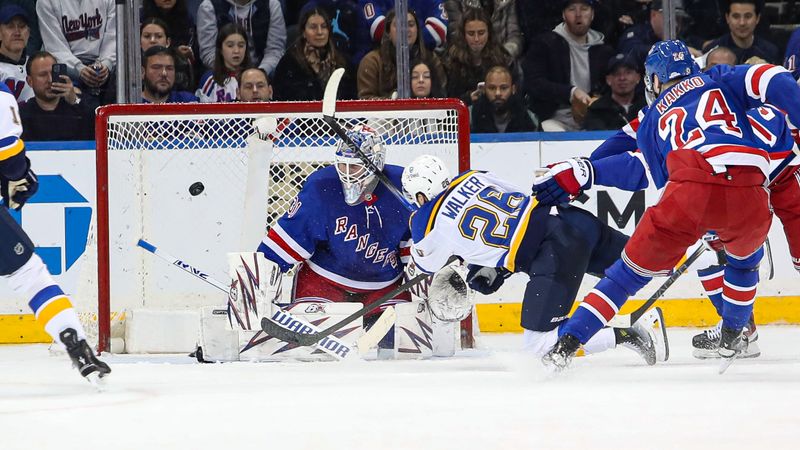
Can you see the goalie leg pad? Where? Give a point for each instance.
(218, 341)
(255, 286)
(413, 333)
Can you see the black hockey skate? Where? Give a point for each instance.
(732, 344)
(559, 357)
(638, 339)
(83, 357)
(706, 344)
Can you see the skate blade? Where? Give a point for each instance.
(726, 362)
(97, 380)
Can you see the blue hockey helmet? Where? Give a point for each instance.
(667, 60)
(358, 181)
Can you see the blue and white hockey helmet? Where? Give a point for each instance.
(667, 60)
(426, 175)
(358, 181)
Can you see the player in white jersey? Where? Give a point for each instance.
(498, 230)
(19, 265)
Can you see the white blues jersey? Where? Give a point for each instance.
(360, 248)
(10, 126)
(479, 218)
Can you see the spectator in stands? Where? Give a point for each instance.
(232, 56)
(470, 54)
(542, 16)
(424, 83)
(500, 109)
(308, 64)
(82, 35)
(637, 40)
(158, 78)
(345, 16)
(504, 23)
(56, 112)
(742, 17)
(181, 26)
(375, 16)
(616, 108)
(35, 40)
(14, 35)
(565, 67)
(792, 59)
(720, 55)
(261, 19)
(377, 73)
(254, 86)
(155, 31)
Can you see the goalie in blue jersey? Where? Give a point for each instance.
(24, 271)
(346, 232)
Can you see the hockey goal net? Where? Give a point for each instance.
(201, 180)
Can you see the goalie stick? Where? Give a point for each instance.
(364, 343)
(627, 320)
(329, 116)
(307, 338)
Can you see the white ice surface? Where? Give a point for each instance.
(492, 398)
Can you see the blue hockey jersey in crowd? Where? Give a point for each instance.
(792, 59)
(431, 16)
(361, 247)
(704, 113)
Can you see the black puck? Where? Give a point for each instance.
(196, 188)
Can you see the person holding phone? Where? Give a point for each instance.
(57, 112)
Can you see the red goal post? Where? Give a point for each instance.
(149, 155)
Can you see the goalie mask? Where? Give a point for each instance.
(426, 175)
(358, 181)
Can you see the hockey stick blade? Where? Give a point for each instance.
(305, 338)
(627, 320)
(329, 116)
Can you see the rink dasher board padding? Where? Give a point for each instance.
(70, 168)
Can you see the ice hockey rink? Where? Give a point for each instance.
(494, 397)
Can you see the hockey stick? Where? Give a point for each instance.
(330, 345)
(627, 320)
(329, 116)
(308, 338)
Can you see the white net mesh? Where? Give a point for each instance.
(247, 176)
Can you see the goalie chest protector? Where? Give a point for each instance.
(356, 246)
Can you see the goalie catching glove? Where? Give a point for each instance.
(449, 297)
(17, 191)
(486, 280)
(563, 181)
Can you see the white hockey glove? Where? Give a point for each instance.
(449, 297)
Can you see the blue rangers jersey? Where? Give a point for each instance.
(360, 247)
(792, 59)
(431, 14)
(706, 113)
(769, 125)
(479, 218)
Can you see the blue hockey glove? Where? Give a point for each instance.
(16, 192)
(486, 280)
(563, 181)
